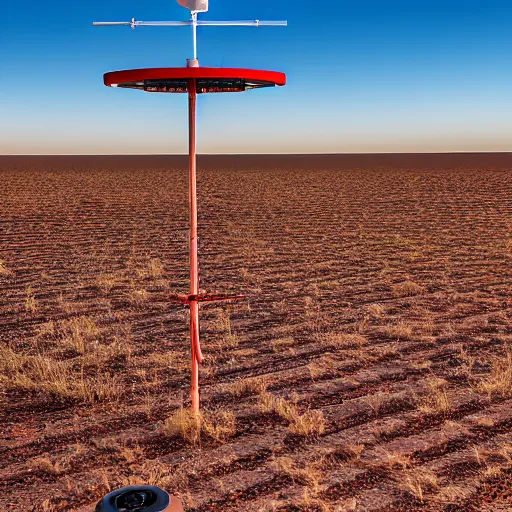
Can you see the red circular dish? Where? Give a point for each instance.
(178, 80)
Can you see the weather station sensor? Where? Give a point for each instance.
(194, 80)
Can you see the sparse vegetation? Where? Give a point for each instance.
(368, 369)
(397, 459)
(57, 378)
(106, 282)
(155, 268)
(138, 297)
(254, 385)
(345, 340)
(30, 300)
(4, 270)
(498, 383)
(283, 344)
(436, 399)
(324, 365)
(420, 482)
(80, 333)
(376, 310)
(216, 425)
(407, 289)
(229, 337)
(307, 424)
(400, 331)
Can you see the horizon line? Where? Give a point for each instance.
(266, 154)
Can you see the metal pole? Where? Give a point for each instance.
(194, 273)
(194, 32)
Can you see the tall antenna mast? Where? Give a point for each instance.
(194, 80)
(195, 7)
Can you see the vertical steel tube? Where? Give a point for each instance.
(194, 33)
(194, 272)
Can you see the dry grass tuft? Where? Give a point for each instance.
(426, 327)
(407, 289)
(151, 472)
(481, 455)
(309, 424)
(499, 381)
(397, 459)
(185, 424)
(131, 455)
(324, 365)
(106, 281)
(418, 482)
(66, 306)
(223, 324)
(47, 329)
(80, 333)
(349, 505)
(219, 425)
(399, 331)
(375, 310)
(451, 495)
(485, 422)
(436, 399)
(95, 345)
(308, 474)
(4, 271)
(30, 300)
(58, 378)
(216, 425)
(310, 502)
(351, 451)
(46, 506)
(155, 269)
(246, 387)
(282, 344)
(386, 402)
(376, 402)
(45, 465)
(138, 297)
(269, 403)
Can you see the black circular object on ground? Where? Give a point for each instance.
(141, 498)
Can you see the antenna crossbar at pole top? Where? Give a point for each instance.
(195, 7)
(241, 23)
(254, 23)
(194, 23)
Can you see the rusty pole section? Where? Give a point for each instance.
(194, 272)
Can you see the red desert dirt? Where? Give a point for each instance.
(369, 368)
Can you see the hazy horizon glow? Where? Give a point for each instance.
(377, 78)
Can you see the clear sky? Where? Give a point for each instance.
(363, 76)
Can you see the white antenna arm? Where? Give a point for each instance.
(251, 23)
(134, 23)
(241, 23)
(194, 23)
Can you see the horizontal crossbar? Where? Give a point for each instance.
(204, 297)
(239, 23)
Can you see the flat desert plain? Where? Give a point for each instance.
(368, 369)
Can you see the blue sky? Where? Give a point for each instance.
(365, 76)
